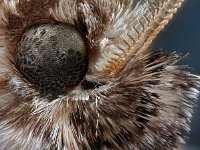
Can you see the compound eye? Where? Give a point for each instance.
(53, 57)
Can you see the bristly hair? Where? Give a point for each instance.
(132, 99)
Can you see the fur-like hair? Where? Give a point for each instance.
(141, 99)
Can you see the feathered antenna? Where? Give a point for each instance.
(148, 20)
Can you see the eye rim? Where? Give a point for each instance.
(89, 85)
(28, 90)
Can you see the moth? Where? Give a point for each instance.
(80, 75)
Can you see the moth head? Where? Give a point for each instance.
(80, 75)
(58, 49)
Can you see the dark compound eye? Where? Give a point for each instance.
(53, 57)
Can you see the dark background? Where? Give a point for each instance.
(182, 34)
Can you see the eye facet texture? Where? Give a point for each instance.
(52, 56)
